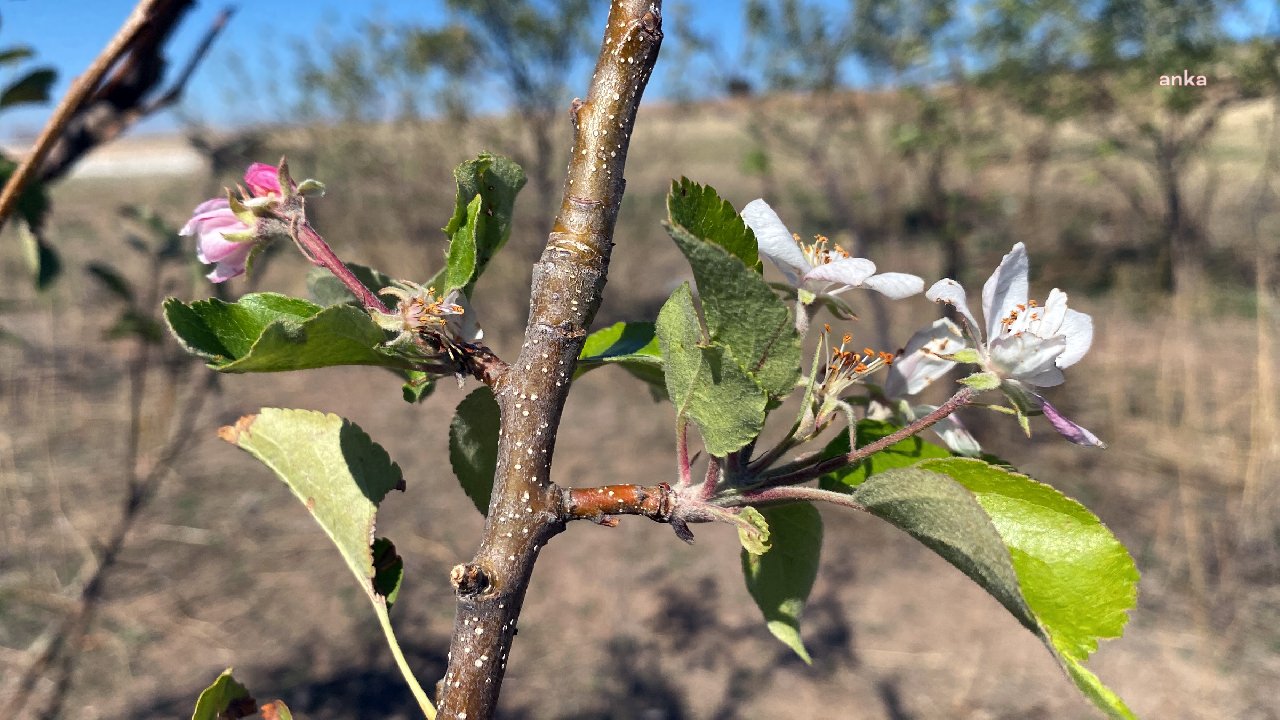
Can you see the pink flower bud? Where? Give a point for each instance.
(262, 179)
(212, 222)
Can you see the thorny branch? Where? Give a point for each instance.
(526, 509)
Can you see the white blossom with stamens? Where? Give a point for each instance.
(1025, 345)
(813, 269)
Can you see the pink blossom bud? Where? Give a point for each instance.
(212, 222)
(262, 179)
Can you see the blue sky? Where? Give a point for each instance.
(68, 34)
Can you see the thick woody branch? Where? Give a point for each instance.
(526, 508)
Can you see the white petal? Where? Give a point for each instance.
(1028, 358)
(895, 285)
(957, 437)
(1077, 328)
(1051, 315)
(950, 292)
(775, 240)
(850, 272)
(1005, 289)
(920, 365)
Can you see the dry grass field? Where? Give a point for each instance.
(224, 568)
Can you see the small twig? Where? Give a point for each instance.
(80, 89)
(599, 503)
(789, 494)
(816, 470)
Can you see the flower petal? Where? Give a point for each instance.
(227, 269)
(1005, 289)
(1068, 429)
(1052, 314)
(850, 272)
(1077, 328)
(956, 436)
(775, 240)
(262, 179)
(920, 365)
(1028, 358)
(895, 285)
(952, 293)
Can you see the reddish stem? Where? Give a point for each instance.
(321, 254)
(812, 472)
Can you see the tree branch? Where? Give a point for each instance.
(526, 508)
(134, 52)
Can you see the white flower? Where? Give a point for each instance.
(1025, 345)
(922, 361)
(812, 268)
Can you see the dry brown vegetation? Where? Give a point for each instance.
(224, 568)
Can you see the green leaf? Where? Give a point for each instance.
(477, 232)
(418, 386)
(33, 203)
(742, 312)
(42, 260)
(225, 699)
(1043, 556)
(982, 381)
(704, 382)
(698, 211)
(15, 54)
(460, 265)
(473, 445)
(753, 531)
(30, 88)
(326, 289)
(900, 454)
(780, 580)
(112, 280)
(267, 332)
(631, 345)
(388, 569)
(341, 475)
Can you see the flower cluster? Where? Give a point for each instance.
(225, 234)
(1025, 345)
(420, 312)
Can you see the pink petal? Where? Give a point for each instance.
(1068, 429)
(262, 179)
